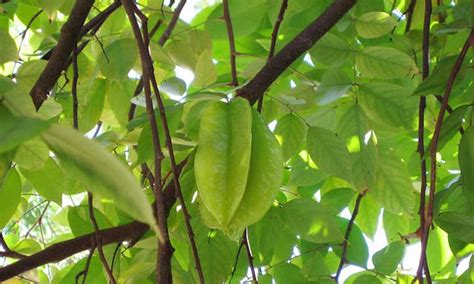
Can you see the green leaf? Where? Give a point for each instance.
(451, 126)
(393, 188)
(10, 194)
(95, 273)
(439, 256)
(15, 130)
(391, 104)
(466, 164)
(337, 199)
(93, 161)
(118, 58)
(311, 221)
(384, 63)
(32, 154)
(8, 47)
(387, 259)
(173, 86)
(80, 222)
(334, 84)
(205, 70)
(363, 279)
(457, 225)
(330, 50)
(271, 239)
(50, 7)
(329, 152)
(28, 74)
(436, 82)
(368, 217)
(355, 127)
(291, 133)
(288, 273)
(48, 180)
(217, 255)
(375, 24)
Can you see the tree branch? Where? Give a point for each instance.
(271, 52)
(98, 241)
(148, 76)
(165, 250)
(62, 250)
(245, 242)
(230, 36)
(423, 264)
(348, 234)
(434, 141)
(70, 33)
(297, 47)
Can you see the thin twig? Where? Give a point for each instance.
(23, 34)
(85, 271)
(434, 141)
(97, 239)
(75, 78)
(409, 14)
(115, 255)
(271, 52)
(38, 221)
(423, 263)
(236, 261)
(230, 35)
(348, 234)
(245, 241)
(169, 29)
(7, 252)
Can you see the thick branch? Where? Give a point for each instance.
(62, 250)
(70, 33)
(297, 47)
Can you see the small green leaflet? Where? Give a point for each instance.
(291, 133)
(466, 164)
(393, 188)
(330, 50)
(15, 130)
(118, 59)
(8, 47)
(312, 221)
(384, 63)
(387, 259)
(375, 24)
(10, 194)
(334, 84)
(48, 180)
(329, 152)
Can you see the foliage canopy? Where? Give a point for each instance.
(108, 151)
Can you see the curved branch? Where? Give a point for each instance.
(297, 47)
